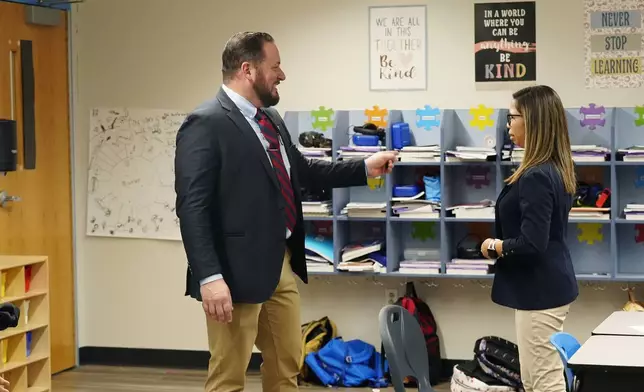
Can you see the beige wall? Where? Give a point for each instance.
(165, 54)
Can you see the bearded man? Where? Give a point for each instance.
(238, 177)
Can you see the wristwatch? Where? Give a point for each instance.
(491, 249)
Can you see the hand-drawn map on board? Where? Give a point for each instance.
(131, 173)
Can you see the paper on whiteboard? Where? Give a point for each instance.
(131, 173)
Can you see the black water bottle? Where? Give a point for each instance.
(8, 146)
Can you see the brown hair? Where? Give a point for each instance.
(546, 134)
(243, 47)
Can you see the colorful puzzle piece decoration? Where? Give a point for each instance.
(481, 117)
(592, 116)
(423, 230)
(639, 177)
(639, 110)
(377, 116)
(590, 233)
(427, 117)
(477, 176)
(639, 233)
(322, 118)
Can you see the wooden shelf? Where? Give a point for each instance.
(26, 349)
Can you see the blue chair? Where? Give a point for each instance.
(566, 345)
(405, 348)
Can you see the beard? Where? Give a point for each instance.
(264, 92)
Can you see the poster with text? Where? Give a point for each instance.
(613, 43)
(398, 48)
(505, 43)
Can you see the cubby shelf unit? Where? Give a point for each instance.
(602, 249)
(25, 349)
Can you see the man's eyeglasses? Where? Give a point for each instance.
(511, 116)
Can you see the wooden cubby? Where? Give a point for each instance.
(25, 350)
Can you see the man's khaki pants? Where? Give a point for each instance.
(541, 367)
(274, 327)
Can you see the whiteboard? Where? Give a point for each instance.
(130, 189)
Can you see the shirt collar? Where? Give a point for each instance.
(244, 105)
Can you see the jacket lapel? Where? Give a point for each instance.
(254, 145)
(504, 191)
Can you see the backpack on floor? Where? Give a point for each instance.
(499, 358)
(421, 312)
(315, 335)
(353, 363)
(469, 377)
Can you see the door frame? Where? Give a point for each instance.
(71, 84)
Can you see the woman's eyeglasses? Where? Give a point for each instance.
(511, 116)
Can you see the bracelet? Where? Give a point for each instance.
(491, 249)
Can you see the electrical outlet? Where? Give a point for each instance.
(391, 295)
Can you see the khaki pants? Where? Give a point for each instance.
(274, 327)
(541, 367)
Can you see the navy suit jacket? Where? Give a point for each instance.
(230, 205)
(535, 270)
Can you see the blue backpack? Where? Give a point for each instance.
(354, 363)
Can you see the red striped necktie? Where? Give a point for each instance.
(269, 132)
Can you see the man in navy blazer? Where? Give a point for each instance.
(238, 180)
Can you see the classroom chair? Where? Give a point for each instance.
(405, 348)
(567, 345)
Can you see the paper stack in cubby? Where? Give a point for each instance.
(517, 154)
(463, 153)
(363, 257)
(365, 210)
(420, 153)
(420, 262)
(632, 154)
(317, 208)
(589, 153)
(319, 253)
(419, 267)
(591, 213)
(484, 209)
(468, 266)
(413, 209)
(351, 152)
(634, 211)
(323, 153)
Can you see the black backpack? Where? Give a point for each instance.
(499, 358)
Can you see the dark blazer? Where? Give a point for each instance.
(229, 202)
(535, 271)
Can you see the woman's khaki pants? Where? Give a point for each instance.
(541, 367)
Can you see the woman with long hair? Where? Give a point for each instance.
(534, 272)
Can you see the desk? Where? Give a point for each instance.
(609, 363)
(622, 323)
